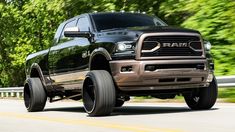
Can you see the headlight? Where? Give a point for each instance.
(125, 46)
(207, 45)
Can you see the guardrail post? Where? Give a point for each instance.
(6, 94)
(18, 94)
(12, 94)
(2, 94)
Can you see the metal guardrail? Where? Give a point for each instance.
(226, 81)
(223, 82)
(11, 92)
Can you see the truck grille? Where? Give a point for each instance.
(173, 45)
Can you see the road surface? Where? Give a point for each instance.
(69, 116)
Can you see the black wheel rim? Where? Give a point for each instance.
(27, 96)
(89, 95)
(195, 96)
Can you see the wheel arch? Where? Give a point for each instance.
(35, 71)
(99, 60)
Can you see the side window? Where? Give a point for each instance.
(57, 34)
(67, 25)
(83, 24)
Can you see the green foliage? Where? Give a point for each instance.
(224, 56)
(25, 28)
(227, 94)
(214, 18)
(28, 26)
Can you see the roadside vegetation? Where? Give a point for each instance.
(28, 26)
(227, 94)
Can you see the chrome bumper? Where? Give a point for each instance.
(138, 78)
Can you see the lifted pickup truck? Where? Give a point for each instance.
(104, 58)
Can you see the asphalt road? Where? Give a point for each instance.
(69, 116)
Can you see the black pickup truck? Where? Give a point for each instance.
(104, 58)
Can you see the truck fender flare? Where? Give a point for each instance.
(99, 51)
(37, 67)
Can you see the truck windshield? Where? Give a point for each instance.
(107, 21)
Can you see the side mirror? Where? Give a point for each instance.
(75, 32)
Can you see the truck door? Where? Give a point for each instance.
(69, 58)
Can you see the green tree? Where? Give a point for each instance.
(216, 21)
(28, 26)
(25, 29)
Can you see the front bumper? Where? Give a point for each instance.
(138, 78)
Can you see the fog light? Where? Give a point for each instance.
(126, 69)
(150, 68)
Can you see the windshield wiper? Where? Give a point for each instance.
(112, 29)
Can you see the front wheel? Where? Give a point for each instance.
(34, 95)
(202, 98)
(98, 93)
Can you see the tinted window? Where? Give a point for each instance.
(123, 20)
(67, 25)
(83, 24)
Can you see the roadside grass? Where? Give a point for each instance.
(224, 95)
(227, 94)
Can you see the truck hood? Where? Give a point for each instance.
(152, 29)
(133, 33)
